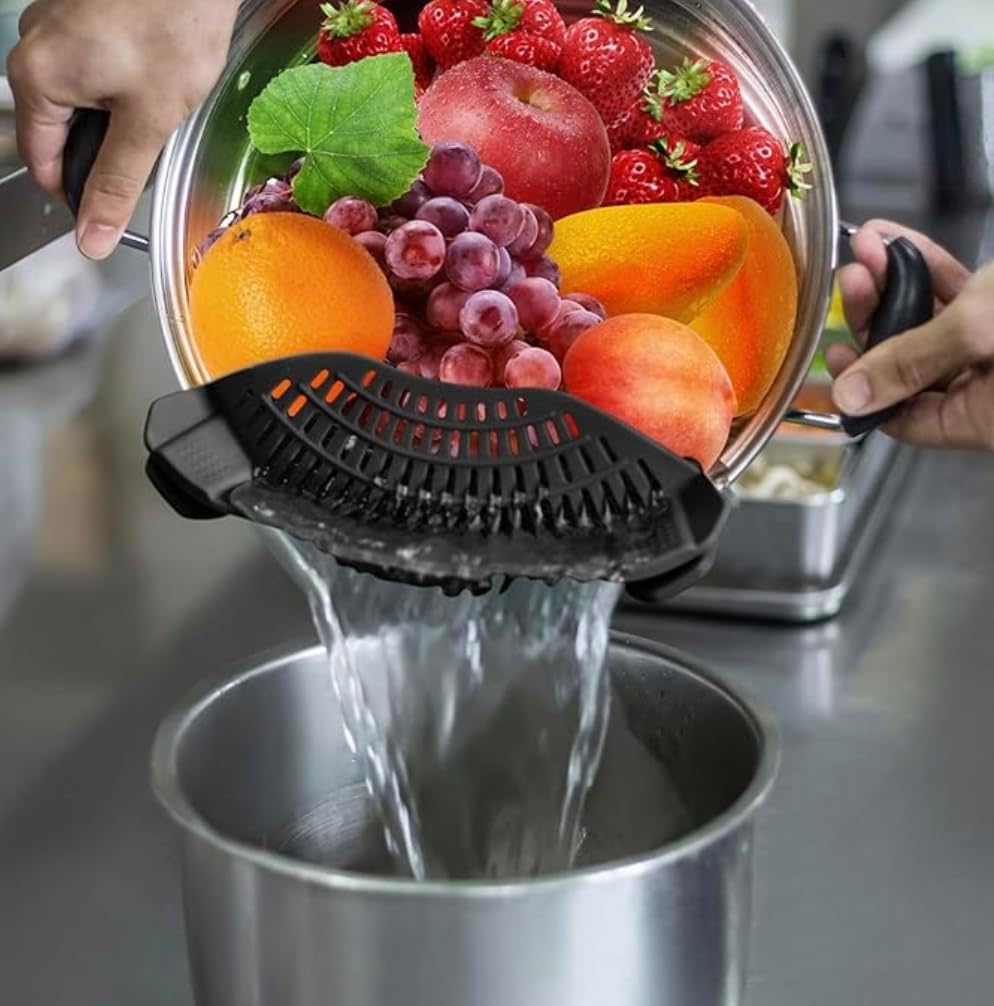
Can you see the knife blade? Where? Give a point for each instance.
(31, 218)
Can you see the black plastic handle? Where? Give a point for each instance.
(86, 135)
(908, 302)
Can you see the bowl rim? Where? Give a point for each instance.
(169, 791)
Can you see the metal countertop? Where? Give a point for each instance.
(875, 858)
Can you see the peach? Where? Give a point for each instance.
(544, 137)
(751, 324)
(672, 259)
(658, 376)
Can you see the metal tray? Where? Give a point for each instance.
(796, 559)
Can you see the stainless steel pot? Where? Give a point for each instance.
(256, 773)
(208, 164)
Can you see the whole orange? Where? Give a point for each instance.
(278, 284)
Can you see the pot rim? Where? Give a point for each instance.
(169, 791)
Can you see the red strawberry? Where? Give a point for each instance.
(659, 175)
(700, 100)
(414, 46)
(449, 34)
(752, 162)
(606, 59)
(523, 47)
(536, 17)
(637, 177)
(354, 29)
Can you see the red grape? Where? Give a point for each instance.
(516, 275)
(533, 368)
(545, 230)
(489, 318)
(351, 214)
(567, 328)
(472, 261)
(527, 235)
(453, 169)
(466, 364)
(504, 268)
(491, 183)
(544, 268)
(416, 250)
(412, 200)
(410, 367)
(503, 354)
(374, 242)
(537, 301)
(444, 305)
(447, 214)
(408, 341)
(588, 303)
(499, 218)
(275, 196)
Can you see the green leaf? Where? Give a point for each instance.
(354, 124)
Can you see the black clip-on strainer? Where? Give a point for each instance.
(446, 485)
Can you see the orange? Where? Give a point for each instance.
(278, 284)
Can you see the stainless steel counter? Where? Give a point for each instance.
(875, 867)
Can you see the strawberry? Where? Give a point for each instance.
(753, 162)
(354, 29)
(700, 100)
(449, 34)
(606, 59)
(414, 46)
(657, 175)
(523, 47)
(536, 17)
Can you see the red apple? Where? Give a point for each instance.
(539, 132)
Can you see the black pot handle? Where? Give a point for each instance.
(908, 301)
(86, 135)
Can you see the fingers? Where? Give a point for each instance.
(949, 275)
(860, 296)
(118, 179)
(839, 357)
(42, 124)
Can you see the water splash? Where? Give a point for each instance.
(478, 721)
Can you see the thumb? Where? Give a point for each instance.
(902, 367)
(117, 180)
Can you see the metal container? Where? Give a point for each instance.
(649, 920)
(209, 163)
(796, 559)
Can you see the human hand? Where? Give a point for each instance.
(945, 367)
(147, 62)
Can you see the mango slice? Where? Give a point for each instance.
(751, 324)
(671, 259)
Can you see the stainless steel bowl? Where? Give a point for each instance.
(209, 163)
(290, 901)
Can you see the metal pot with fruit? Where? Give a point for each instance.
(659, 259)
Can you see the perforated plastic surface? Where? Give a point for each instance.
(430, 482)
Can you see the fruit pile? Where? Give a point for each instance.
(462, 176)
(477, 300)
(674, 135)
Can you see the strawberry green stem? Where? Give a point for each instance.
(652, 100)
(502, 18)
(674, 160)
(686, 82)
(620, 14)
(347, 19)
(797, 168)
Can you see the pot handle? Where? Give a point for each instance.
(86, 135)
(908, 301)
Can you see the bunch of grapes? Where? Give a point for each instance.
(478, 301)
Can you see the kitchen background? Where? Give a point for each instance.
(876, 857)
